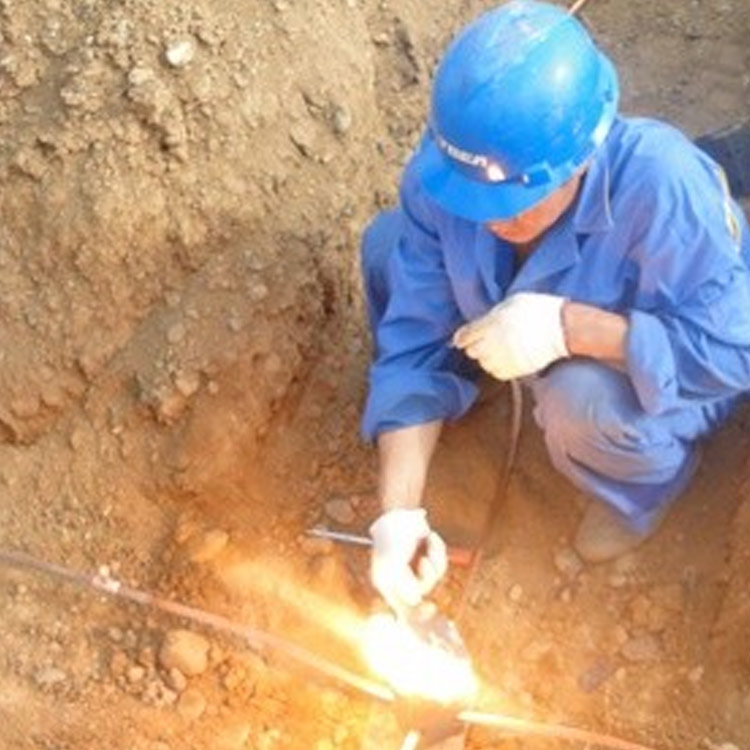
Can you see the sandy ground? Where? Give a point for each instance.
(183, 361)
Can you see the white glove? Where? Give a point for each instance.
(396, 536)
(520, 336)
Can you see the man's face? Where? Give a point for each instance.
(531, 224)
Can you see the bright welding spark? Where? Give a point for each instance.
(413, 667)
(275, 582)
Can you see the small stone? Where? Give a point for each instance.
(176, 680)
(233, 738)
(119, 663)
(186, 528)
(77, 439)
(340, 510)
(135, 674)
(258, 292)
(302, 134)
(342, 120)
(180, 53)
(617, 580)
(568, 563)
(642, 648)
(515, 593)
(49, 677)
(140, 75)
(208, 546)
(187, 382)
(115, 635)
(186, 651)
(176, 333)
(157, 693)
(191, 705)
(146, 657)
(172, 299)
(620, 635)
(171, 406)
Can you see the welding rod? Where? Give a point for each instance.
(528, 728)
(256, 639)
(457, 555)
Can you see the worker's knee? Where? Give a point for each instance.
(590, 413)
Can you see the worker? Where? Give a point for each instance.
(542, 236)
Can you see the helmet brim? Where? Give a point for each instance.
(471, 199)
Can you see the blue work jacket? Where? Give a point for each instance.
(653, 235)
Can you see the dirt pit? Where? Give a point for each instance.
(183, 359)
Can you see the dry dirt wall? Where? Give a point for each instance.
(155, 156)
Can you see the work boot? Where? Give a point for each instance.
(604, 533)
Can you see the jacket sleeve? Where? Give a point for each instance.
(689, 333)
(417, 376)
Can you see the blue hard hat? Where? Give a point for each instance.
(521, 99)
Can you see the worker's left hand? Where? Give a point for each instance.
(520, 336)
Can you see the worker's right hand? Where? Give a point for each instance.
(403, 542)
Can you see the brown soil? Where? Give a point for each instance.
(183, 359)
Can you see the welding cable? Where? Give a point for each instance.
(258, 640)
(528, 728)
(498, 499)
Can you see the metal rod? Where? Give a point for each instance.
(339, 536)
(577, 6)
(541, 729)
(256, 639)
(460, 556)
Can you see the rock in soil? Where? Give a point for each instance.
(185, 651)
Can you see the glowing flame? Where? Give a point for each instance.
(415, 667)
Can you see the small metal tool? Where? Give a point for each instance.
(457, 555)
